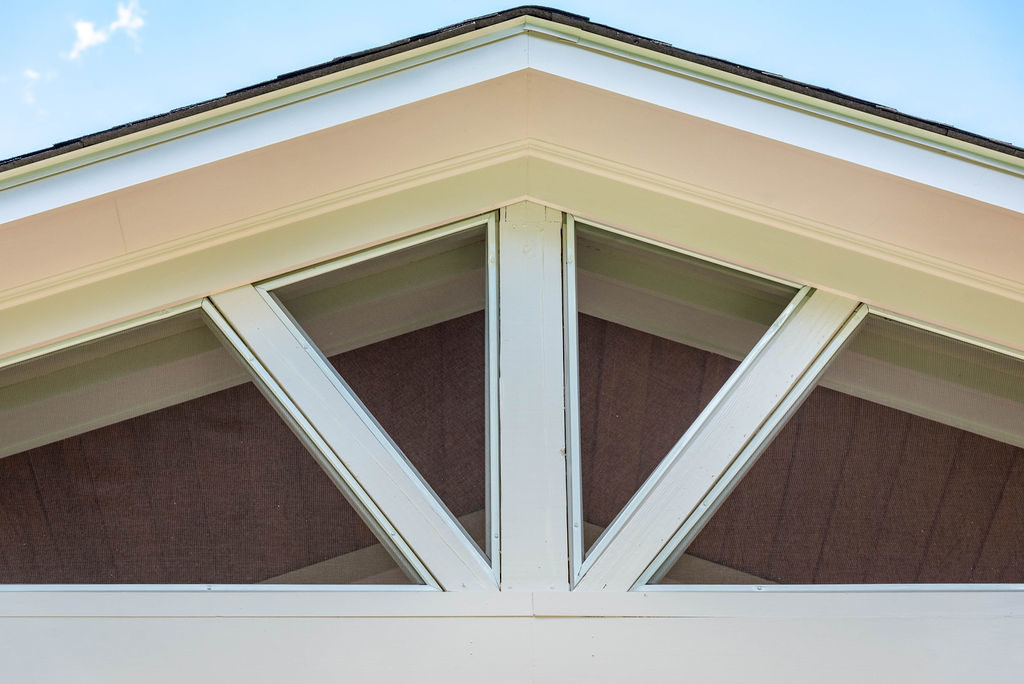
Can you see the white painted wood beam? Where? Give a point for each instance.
(716, 439)
(535, 550)
(360, 450)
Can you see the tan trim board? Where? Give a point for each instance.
(515, 649)
(970, 305)
(103, 297)
(826, 603)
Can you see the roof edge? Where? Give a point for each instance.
(569, 20)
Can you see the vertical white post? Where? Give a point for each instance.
(534, 539)
(570, 327)
(492, 527)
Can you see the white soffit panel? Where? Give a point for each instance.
(525, 42)
(261, 121)
(781, 117)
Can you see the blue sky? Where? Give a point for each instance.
(68, 68)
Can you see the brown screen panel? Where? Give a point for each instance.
(426, 389)
(659, 335)
(856, 491)
(406, 332)
(638, 394)
(214, 489)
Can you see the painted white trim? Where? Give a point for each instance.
(497, 160)
(478, 56)
(527, 151)
(487, 221)
(685, 252)
(776, 94)
(746, 459)
(484, 220)
(824, 602)
(492, 411)
(744, 208)
(827, 602)
(645, 489)
(253, 106)
(363, 450)
(757, 112)
(533, 470)
(946, 332)
(706, 451)
(982, 645)
(328, 460)
(187, 143)
(93, 335)
(574, 456)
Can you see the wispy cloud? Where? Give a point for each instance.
(129, 20)
(86, 36)
(31, 76)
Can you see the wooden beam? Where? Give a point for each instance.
(710, 446)
(535, 552)
(379, 475)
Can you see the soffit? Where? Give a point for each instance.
(682, 179)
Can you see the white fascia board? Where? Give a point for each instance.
(260, 121)
(788, 117)
(526, 42)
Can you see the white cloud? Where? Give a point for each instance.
(129, 20)
(86, 36)
(31, 76)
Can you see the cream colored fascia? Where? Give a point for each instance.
(780, 96)
(520, 25)
(104, 331)
(257, 104)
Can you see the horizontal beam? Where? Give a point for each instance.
(515, 649)
(822, 602)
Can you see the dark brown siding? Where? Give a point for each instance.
(639, 393)
(215, 490)
(853, 492)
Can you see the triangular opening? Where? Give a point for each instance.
(659, 335)
(904, 465)
(407, 332)
(149, 457)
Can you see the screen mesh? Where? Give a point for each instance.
(659, 335)
(148, 457)
(904, 465)
(406, 332)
